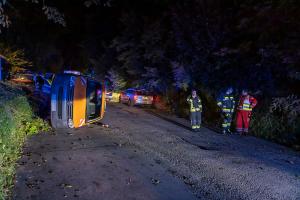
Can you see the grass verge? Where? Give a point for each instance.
(17, 122)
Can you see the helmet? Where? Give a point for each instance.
(194, 92)
(229, 90)
(245, 91)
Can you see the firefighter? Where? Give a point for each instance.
(195, 110)
(227, 103)
(244, 111)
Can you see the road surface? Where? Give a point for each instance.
(141, 156)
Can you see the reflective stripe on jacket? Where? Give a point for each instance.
(227, 103)
(192, 101)
(247, 105)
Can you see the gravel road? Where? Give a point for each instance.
(141, 156)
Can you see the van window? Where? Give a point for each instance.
(93, 100)
(59, 102)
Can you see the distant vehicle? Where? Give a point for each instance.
(20, 78)
(109, 95)
(112, 96)
(42, 84)
(136, 97)
(5, 68)
(76, 100)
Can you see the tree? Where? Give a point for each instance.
(52, 13)
(182, 79)
(116, 80)
(15, 57)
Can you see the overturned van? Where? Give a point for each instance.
(76, 100)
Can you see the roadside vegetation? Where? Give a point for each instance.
(17, 122)
(279, 121)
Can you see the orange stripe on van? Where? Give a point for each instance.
(103, 103)
(79, 103)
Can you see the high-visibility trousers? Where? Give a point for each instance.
(242, 121)
(227, 121)
(195, 119)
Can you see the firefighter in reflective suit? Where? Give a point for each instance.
(195, 110)
(244, 111)
(227, 103)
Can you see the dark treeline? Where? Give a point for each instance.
(211, 45)
(170, 47)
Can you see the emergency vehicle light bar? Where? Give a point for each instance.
(72, 72)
